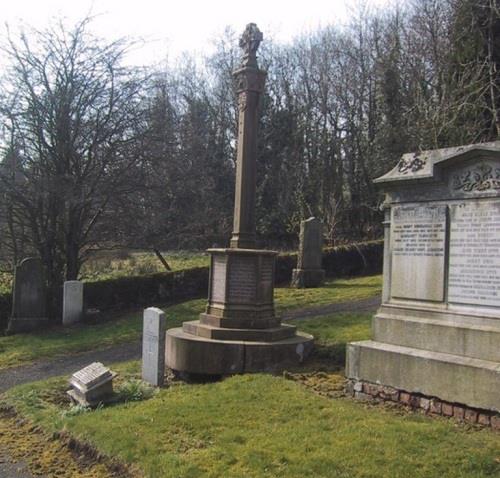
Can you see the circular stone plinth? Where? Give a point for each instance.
(198, 355)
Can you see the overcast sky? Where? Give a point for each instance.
(174, 26)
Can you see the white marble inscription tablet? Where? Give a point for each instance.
(418, 252)
(474, 271)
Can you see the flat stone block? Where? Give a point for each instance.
(239, 323)
(472, 382)
(199, 355)
(304, 278)
(447, 336)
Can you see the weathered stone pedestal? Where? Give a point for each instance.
(437, 333)
(239, 332)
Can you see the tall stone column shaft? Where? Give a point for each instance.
(250, 84)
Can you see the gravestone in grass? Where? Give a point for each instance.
(72, 302)
(437, 332)
(28, 301)
(239, 331)
(309, 272)
(92, 385)
(153, 346)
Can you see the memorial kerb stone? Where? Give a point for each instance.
(239, 331)
(437, 332)
(92, 385)
(153, 346)
(29, 299)
(72, 302)
(309, 272)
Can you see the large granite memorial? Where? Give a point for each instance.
(240, 332)
(28, 297)
(437, 332)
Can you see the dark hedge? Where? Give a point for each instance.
(169, 287)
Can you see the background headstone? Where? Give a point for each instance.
(28, 301)
(72, 302)
(309, 272)
(153, 346)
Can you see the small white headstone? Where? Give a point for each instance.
(153, 346)
(72, 302)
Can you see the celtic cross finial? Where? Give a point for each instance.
(249, 42)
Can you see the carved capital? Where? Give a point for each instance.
(249, 79)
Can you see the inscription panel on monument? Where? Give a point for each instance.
(219, 278)
(243, 279)
(474, 270)
(418, 235)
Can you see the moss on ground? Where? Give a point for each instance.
(48, 456)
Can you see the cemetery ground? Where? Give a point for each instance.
(294, 424)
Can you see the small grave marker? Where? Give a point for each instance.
(92, 385)
(72, 302)
(153, 346)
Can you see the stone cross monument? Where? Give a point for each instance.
(239, 332)
(250, 84)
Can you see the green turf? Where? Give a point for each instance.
(332, 332)
(265, 426)
(24, 348)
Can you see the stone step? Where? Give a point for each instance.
(256, 335)
(240, 323)
(187, 353)
(464, 380)
(453, 337)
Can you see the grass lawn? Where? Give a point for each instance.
(264, 426)
(21, 349)
(260, 425)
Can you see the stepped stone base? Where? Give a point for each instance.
(200, 355)
(304, 278)
(456, 336)
(239, 331)
(452, 378)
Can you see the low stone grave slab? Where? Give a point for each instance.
(92, 385)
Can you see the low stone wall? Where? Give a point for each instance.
(430, 405)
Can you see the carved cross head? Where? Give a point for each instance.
(249, 43)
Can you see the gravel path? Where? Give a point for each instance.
(119, 353)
